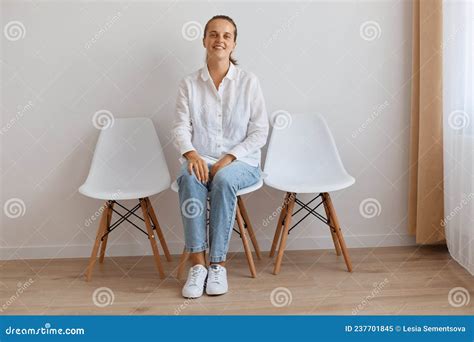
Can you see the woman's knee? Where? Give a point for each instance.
(184, 175)
(224, 179)
(184, 168)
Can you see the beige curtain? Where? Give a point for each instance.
(425, 204)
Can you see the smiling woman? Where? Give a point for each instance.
(211, 34)
(221, 124)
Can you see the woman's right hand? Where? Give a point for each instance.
(199, 165)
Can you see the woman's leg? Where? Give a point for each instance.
(223, 201)
(193, 205)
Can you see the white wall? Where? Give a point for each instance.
(77, 58)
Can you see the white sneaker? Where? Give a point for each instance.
(194, 286)
(216, 280)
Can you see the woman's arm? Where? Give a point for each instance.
(257, 129)
(182, 126)
(183, 132)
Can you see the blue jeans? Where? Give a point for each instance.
(222, 193)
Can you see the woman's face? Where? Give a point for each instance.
(219, 39)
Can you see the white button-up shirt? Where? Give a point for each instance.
(232, 120)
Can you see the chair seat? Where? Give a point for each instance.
(125, 193)
(327, 183)
(249, 189)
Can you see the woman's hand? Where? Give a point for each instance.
(224, 161)
(199, 165)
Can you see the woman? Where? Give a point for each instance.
(221, 124)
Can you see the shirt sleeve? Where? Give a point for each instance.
(257, 129)
(182, 125)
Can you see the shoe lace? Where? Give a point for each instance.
(215, 273)
(194, 276)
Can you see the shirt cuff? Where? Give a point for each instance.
(186, 148)
(238, 152)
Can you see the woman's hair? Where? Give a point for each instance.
(230, 20)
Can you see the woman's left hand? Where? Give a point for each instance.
(224, 161)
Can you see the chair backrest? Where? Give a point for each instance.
(303, 147)
(128, 156)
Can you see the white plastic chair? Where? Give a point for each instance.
(128, 164)
(302, 157)
(243, 222)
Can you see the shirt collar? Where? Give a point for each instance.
(231, 73)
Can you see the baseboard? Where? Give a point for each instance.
(176, 247)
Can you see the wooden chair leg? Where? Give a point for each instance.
(158, 230)
(277, 236)
(182, 263)
(95, 248)
(340, 238)
(281, 248)
(103, 246)
(151, 237)
(331, 229)
(247, 250)
(245, 216)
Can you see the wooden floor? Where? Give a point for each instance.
(395, 280)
